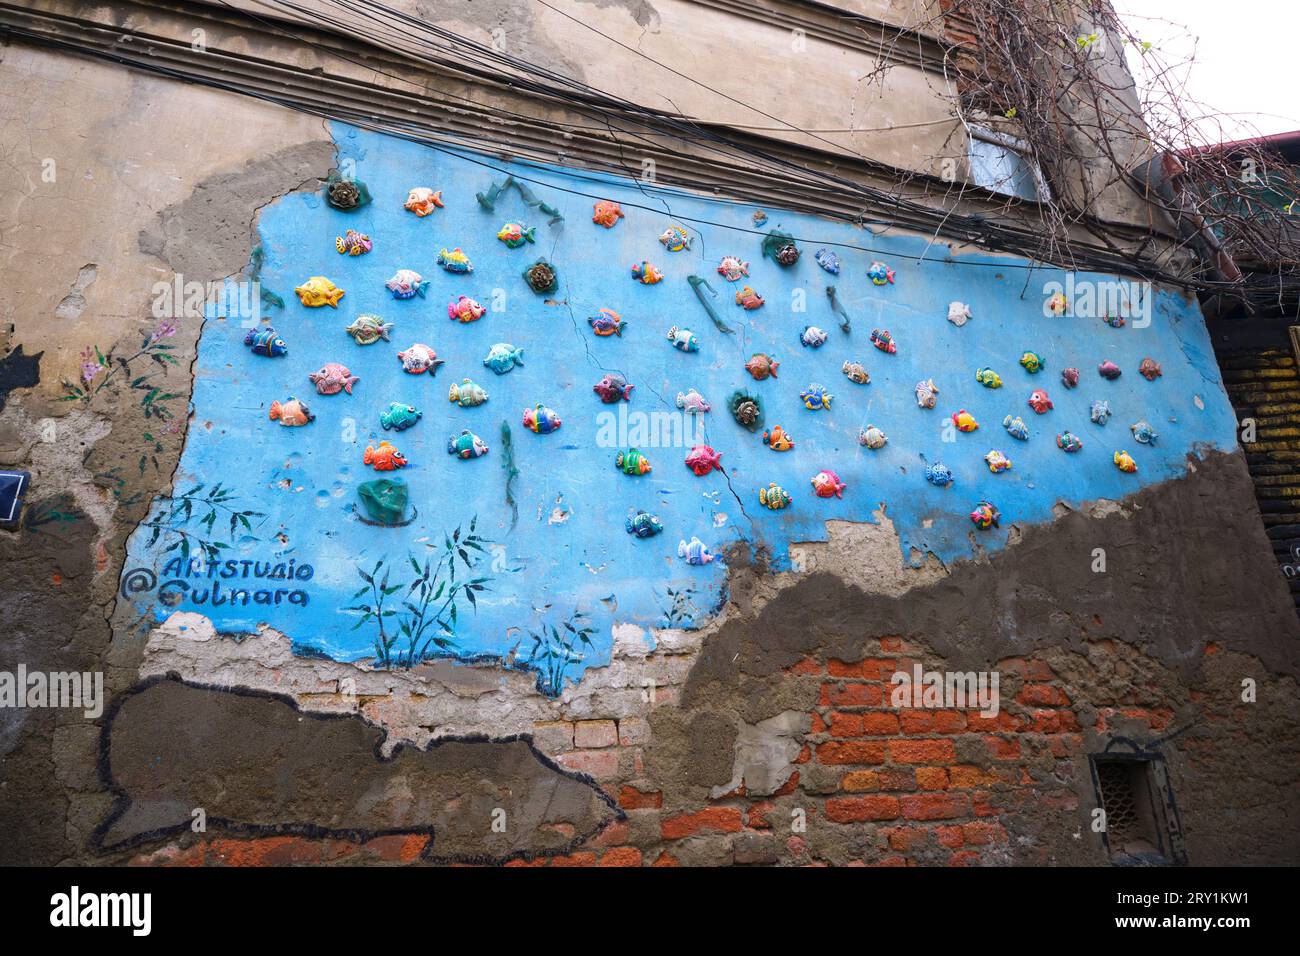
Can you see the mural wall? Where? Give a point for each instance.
(527, 551)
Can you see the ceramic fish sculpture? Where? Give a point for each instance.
(264, 341)
(813, 337)
(1068, 442)
(1070, 377)
(761, 365)
(613, 388)
(318, 291)
(684, 340)
(855, 372)
(368, 328)
(606, 322)
(694, 551)
(702, 459)
(778, 439)
(1058, 304)
(1114, 321)
(467, 394)
(985, 516)
(1109, 370)
(422, 200)
(515, 234)
(1099, 412)
(643, 524)
(455, 261)
(399, 417)
(632, 462)
(872, 437)
(815, 398)
(828, 260)
(1149, 369)
(693, 402)
(748, 299)
(964, 421)
(1016, 428)
(988, 378)
(938, 474)
(465, 309)
(606, 213)
(774, 497)
(746, 409)
(407, 284)
(1032, 362)
(291, 413)
(1143, 433)
(675, 239)
(542, 276)
(880, 274)
(353, 243)
(1039, 401)
(997, 461)
(383, 458)
(883, 341)
(759, 217)
(733, 268)
(541, 419)
(1124, 462)
(958, 313)
(927, 394)
(645, 273)
(827, 484)
(466, 445)
(419, 358)
(333, 378)
(503, 356)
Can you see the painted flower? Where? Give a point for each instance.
(166, 329)
(89, 366)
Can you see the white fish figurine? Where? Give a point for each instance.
(694, 551)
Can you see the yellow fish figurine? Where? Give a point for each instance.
(318, 291)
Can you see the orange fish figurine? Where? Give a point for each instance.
(383, 458)
(422, 200)
(290, 413)
(607, 213)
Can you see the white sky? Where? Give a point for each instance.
(1247, 57)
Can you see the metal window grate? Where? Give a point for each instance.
(1119, 801)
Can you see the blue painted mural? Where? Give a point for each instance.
(551, 565)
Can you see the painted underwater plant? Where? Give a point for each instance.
(554, 649)
(180, 510)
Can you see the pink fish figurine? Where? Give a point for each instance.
(333, 378)
(703, 459)
(465, 309)
(1039, 401)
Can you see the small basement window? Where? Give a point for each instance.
(1003, 164)
(1133, 792)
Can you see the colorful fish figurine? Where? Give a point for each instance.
(997, 461)
(883, 341)
(1114, 321)
(827, 484)
(1149, 369)
(872, 437)
(632, 462)
(964, 421)
(383, 458)
(733, 268)
(693, 403)
(1143, 433)
(774, 497)
(759, 217)
(748, 299)
(613, 388)
(1068, 442)
(466, 445)
(815, 398)
(1039, 401)
(1016, 428)
(988, 378)
(694, 551)
(542, 277)
(606, 322)
(985, 516)
(291, 413)
(422, 200)
(777, 439)
(502, 357)
(938, 474)
(761, 365)
(813, 337)
(1124, 462)
(333, 378)
(1032, 362)
(880, 274)
(541, 419)
(467, 394)
(684, 340)
(855, 372)
(927, 393)
(455, 261)
(368, 328)
(643, 524)
(353, 243)
(419, 358)
(465, 309)
(606, 213)
(646, 273)
(1099, 412)
(746, 409)
(1058, 304)
(828, 260)
(1070, 377)
(515, 234)
(702, 459)
(958, 313)
(264, 341)
(407, 284)
(318, 291)
(675, 239)
(1109, 370)
(399, 417)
